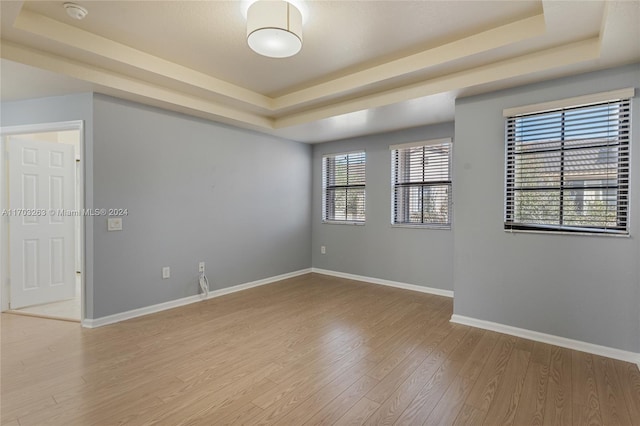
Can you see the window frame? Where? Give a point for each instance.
(395, 185)
(325, 213)
(622, 98)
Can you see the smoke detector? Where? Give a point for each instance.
(75, 11)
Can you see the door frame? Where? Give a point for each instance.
(4, 203)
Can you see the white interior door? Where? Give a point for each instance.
(41, 244)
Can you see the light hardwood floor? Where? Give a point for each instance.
(308, 350)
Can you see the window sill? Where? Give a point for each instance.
(588, 234)
(416, 226)
(342, 222)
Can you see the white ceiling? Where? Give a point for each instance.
(365, 66)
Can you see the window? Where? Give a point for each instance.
(568, 169)
(421, 179)
(343, 187)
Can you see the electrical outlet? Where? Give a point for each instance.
(323, 250)
(166, 272)
(201, 267)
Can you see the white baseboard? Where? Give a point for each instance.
(134, 313)
(405, 286)
(550, 339)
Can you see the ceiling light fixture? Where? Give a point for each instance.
(274, 28)
(75, 11)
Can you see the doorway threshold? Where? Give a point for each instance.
(31, 314)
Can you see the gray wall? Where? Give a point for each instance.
(581, 287)
(414, 256)
(189, 201)
(52, 110)
(196, 191)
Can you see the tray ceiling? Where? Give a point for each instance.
(383, 59)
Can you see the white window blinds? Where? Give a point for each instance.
(344, 180)
(568, 169)
(421, 179)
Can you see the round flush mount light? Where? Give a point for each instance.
(75, 11)
(274, 28)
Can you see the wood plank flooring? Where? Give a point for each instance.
(311, 350)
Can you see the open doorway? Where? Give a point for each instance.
(42, 220)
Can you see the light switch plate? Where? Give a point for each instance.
(114, 224)
(166, 272)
